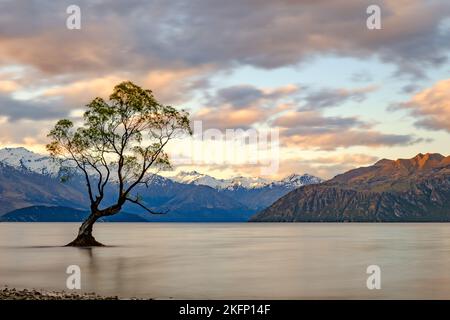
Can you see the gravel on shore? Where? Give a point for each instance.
(33, 294)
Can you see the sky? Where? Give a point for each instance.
(338, 94)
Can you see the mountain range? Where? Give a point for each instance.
(416, 189)
(29, 180)
(406, 190)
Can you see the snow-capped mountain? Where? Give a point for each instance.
(296, 180)
(29, 179)
(247, 183)
(21, 158)
(197, 178)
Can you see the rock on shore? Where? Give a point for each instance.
(33, 294)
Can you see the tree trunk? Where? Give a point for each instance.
(85, 238)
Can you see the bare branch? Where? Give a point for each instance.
(144, 207)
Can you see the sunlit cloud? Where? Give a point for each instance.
(431, 107)
(8, 86)
(332, 141)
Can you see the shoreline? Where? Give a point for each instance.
(8, 293)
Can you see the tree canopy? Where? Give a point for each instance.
(119, 142)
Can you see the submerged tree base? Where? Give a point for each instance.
(84, 241)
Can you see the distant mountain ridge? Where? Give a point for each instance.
(416, 189)
(197, 178)
(28, 179)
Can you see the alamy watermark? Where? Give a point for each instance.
(373, 22)
(374, 280)
(73, 281)
(73, 21)
(213, 146)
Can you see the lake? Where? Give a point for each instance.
(233, 260)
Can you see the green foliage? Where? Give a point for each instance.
(125, 136)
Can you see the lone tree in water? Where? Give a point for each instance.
(121, 141)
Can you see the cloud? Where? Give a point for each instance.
(8, 86)
(169, 86)
(248, 106)
(358, 159)
(32, 133)
(226, 117)
(430, 106)
(409, 88)
(297, 121)
(175, 48)
(244, 106)
(176, 85)
(313, 130)
(84, 91)
(326, 98)
(362, 76)
(349, 138)
(15, 110)
(325, 167)
(138, 35)
(246, 95)
(55, 52)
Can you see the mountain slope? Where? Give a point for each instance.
(22, 188)
(191, 203)
(19, 188)
(416, 189)
(62, 214)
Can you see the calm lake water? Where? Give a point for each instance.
(224, 261)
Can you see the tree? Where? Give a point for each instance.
(118, 146)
